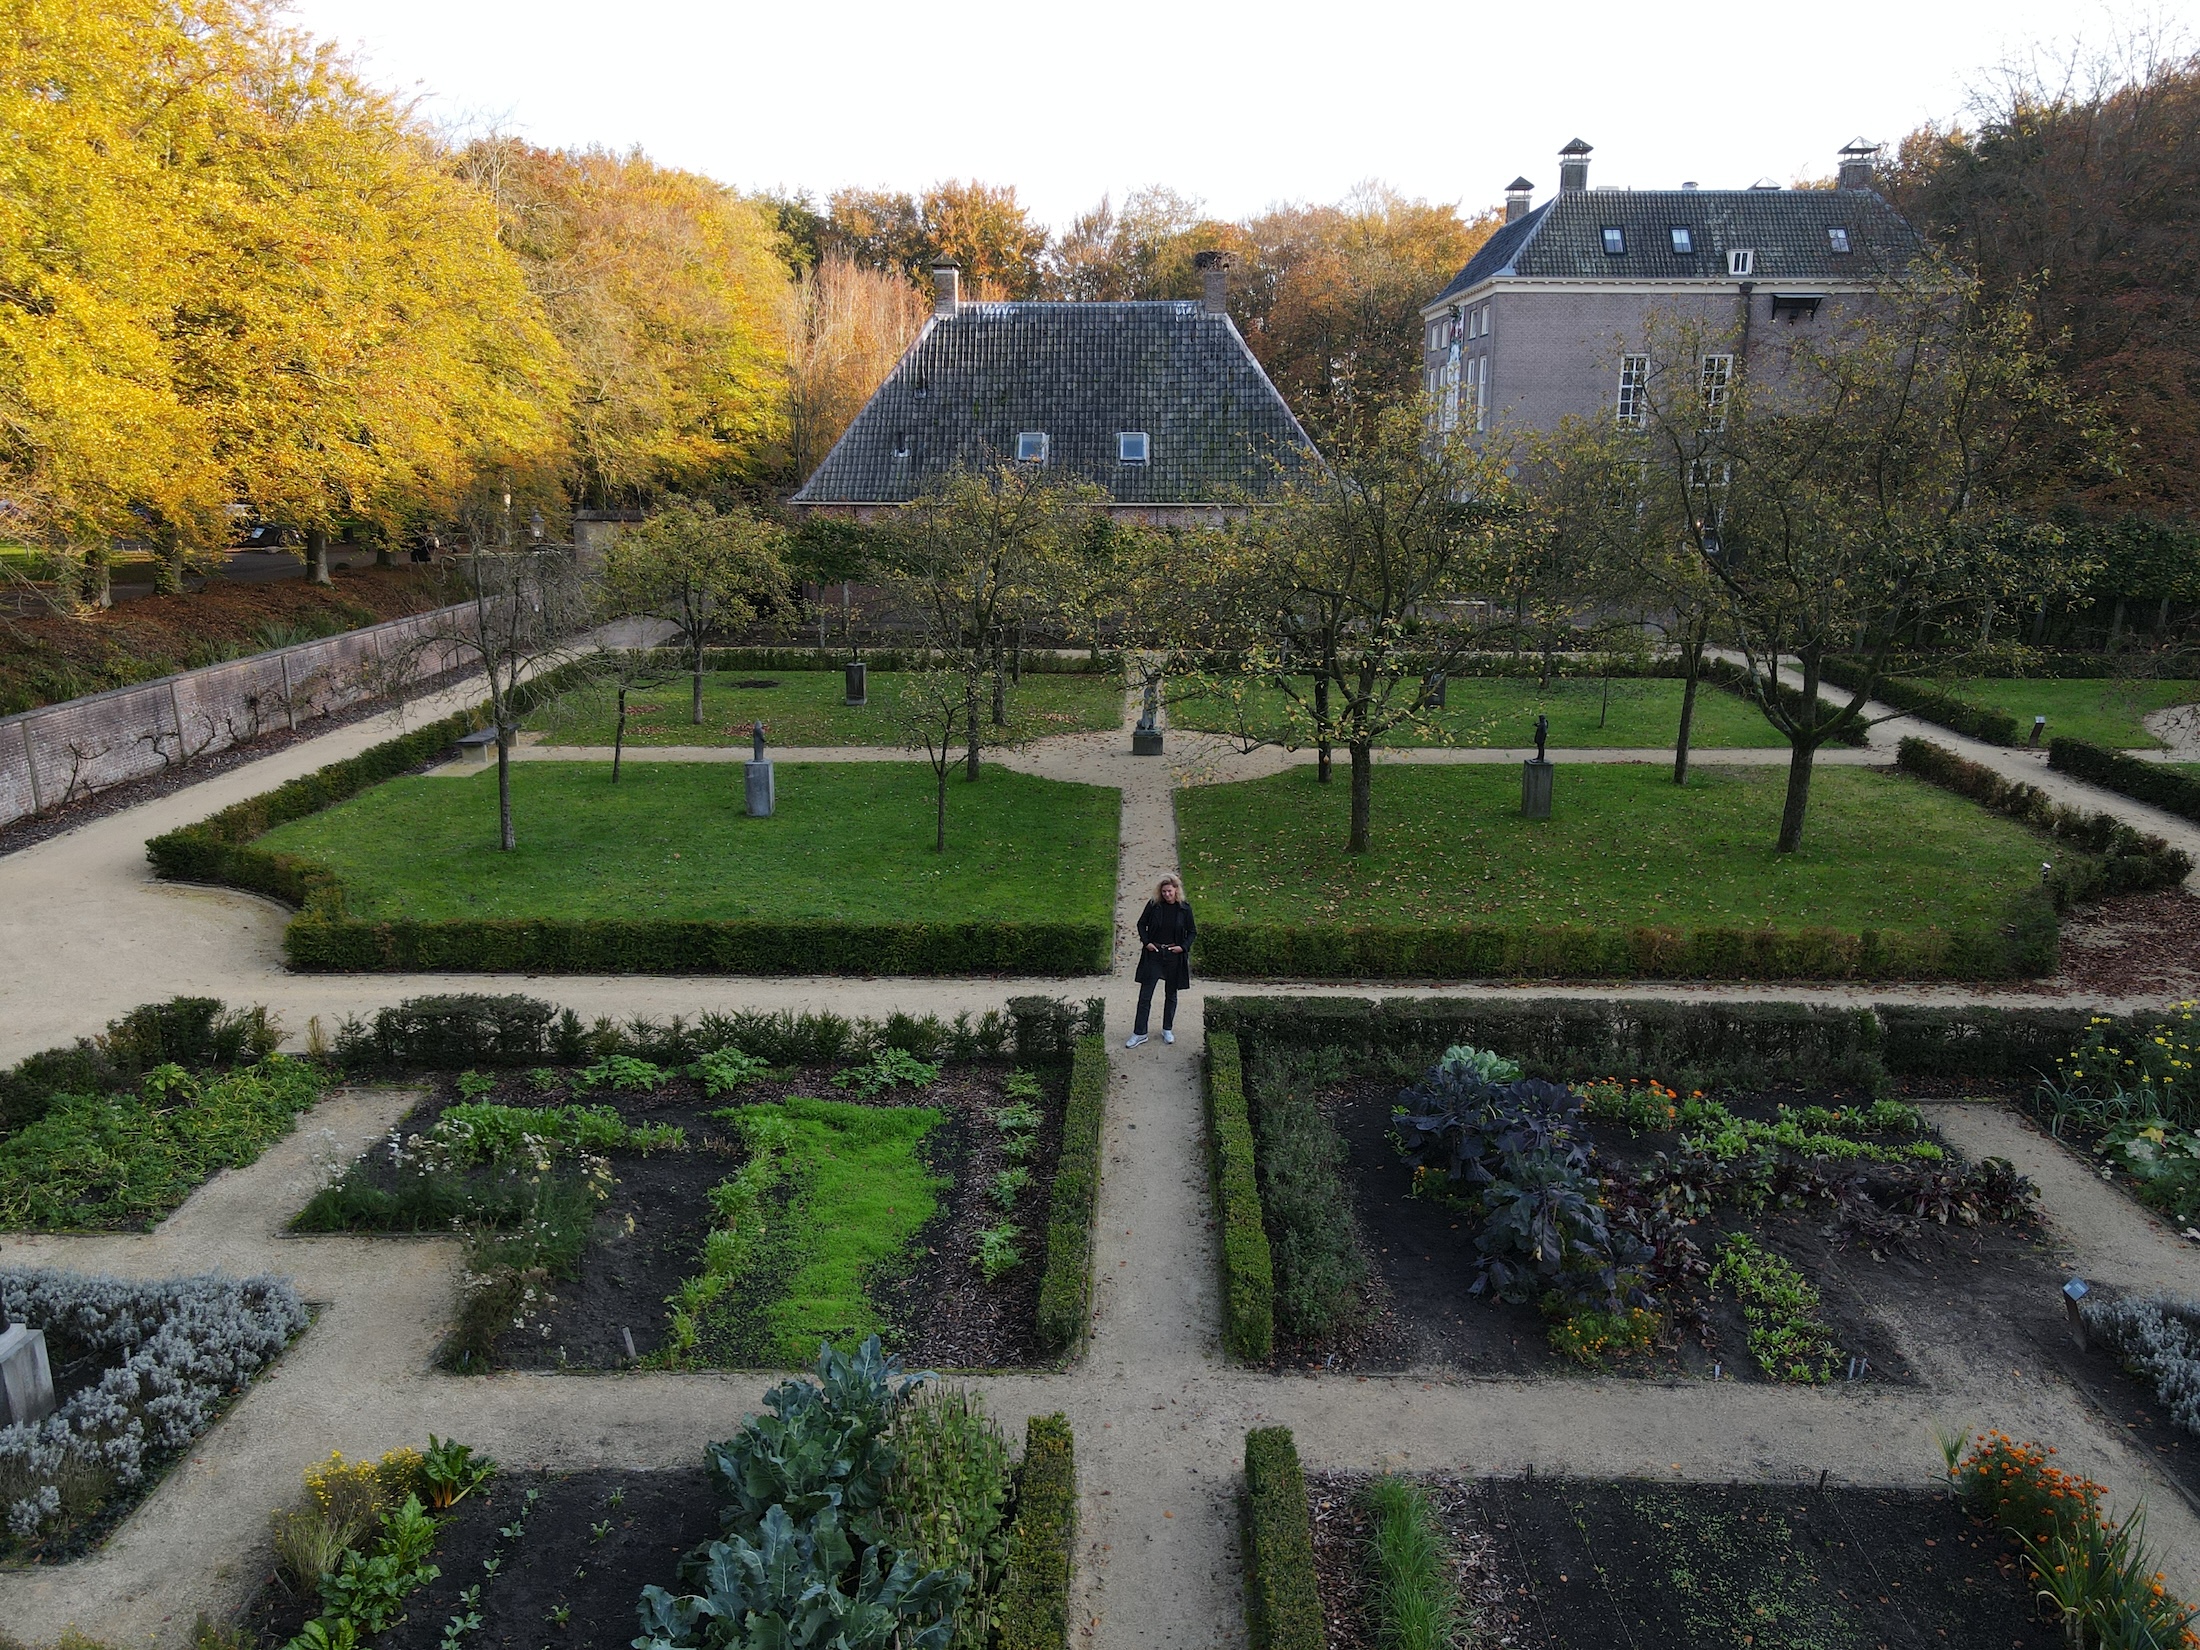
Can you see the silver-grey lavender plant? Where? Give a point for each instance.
(176, 1349)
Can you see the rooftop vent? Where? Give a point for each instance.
(1518, 194)
(1214, 277)
(946, 291)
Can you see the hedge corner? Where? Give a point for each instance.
(1035, 1589)
(1248, 1269)
(1283, 1607)
(1065, 1293)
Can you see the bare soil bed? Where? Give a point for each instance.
(648, 1235)
(1932, 1286)
(1556, 1564)
(590, 1543)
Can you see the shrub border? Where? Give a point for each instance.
(1283, 1606)
(1248, 1266)
(1065, 1292)
(325, 938)
(2150, 782)
(1993, 727)
(1034, 1599)
(1565, 1038)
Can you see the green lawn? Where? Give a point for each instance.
(1643, 713)
(849, 842)
(806, 709)
(2106, 712)
(1624, 847)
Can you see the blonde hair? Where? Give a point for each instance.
(1170, 881)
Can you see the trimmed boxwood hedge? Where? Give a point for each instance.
(2020, 948)
(1738, 1045)
(1283, 1605)
(890, 659)
(1248, 1268)
(1034, 1601)
(1995, 727)
(1734, 677)
(2154, 783)
(1065, 1292)
(2130, 861)
(325, 938)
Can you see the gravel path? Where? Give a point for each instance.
(1160, 1417)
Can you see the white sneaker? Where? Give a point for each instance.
(1168, 1036)
(1135, 1039)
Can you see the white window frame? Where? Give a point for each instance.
(1481, 394)
(1610, 232)
(1447, 382)
(1837, 240)
(1715, 378)
(1683, 240)
(1741, 260)
(1123, 442)
(1632, 408)
(1024, 438)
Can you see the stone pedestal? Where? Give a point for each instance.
(1535, 789)
(759, 779)
(1433, 688)
(26, 1379)
(858, 683)
(1145, 741)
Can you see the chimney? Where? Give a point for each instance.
(946, 292)
(1214, 279)
(1858, 162)
(1518, 194)
(1573, 167)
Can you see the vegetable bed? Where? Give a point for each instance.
(728, 1213)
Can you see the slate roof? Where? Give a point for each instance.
(1080, 372)
(1563, 239)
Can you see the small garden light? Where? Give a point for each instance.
(2075, 1291)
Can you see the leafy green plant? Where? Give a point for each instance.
(998, 1253)
(482, 1132)
(546, 1080)
(2163, 1161)
(1024, 1085)
(1009, 1185)
(1781, 1308)
(1589, 1335)
(366, 1591)
(725, 1069)
(1483, 1065)
(450, 1471)
(1417, 1605)
(1018, 1117)
(889, 1068)
(472, 1085)
(623, 1072)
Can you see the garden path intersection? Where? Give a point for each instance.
(1160, 1416)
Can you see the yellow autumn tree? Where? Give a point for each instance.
(232, 275)
(665, 290)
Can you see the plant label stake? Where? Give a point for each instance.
(2073, 1292)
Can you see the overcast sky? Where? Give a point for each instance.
(1238, 105)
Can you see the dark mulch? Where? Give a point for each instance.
(648, 1237)
(1635, 1563)
(560, 1561)
(2133, 945)
(1976, 1287)
(36, 828)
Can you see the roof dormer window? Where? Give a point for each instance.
(1684, 240)
(1031, 446)
(1837, 242)
(1615, 241)
(1131, 447)
(1741, 260)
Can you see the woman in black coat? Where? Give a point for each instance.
(1166, 931)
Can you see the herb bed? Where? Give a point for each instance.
(647, 1236)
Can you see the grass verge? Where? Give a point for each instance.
(806, 707)
(1631, 876)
